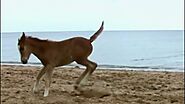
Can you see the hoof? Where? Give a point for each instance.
(35, 90)
(46, 93)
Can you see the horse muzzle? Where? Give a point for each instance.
(24, 61)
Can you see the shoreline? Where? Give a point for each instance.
(103, 86)
(107, 67)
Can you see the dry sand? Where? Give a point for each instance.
(103, 87)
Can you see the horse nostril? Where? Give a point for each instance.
(24, 61)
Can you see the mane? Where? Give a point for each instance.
(37, 39)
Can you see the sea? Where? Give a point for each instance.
(150, 50)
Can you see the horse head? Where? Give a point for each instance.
(23, 49)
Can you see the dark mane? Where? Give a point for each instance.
(37, 39)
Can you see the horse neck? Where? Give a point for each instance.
(35, 46)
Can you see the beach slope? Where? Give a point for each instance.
(104, 86)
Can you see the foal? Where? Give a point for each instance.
(58, 53)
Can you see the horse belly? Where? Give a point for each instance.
(63, 58)
(65, 61)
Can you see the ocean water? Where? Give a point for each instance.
(152, 49)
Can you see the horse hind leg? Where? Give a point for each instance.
(90, 67)
(93, 65)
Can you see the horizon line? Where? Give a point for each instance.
(94, 30)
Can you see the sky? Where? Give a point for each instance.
(87, 15)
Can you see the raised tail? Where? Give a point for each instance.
(92, 38)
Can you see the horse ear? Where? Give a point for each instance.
(23, 34)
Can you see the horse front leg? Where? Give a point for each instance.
(39, 76)
(48, 76)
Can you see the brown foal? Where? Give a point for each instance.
(58, 53)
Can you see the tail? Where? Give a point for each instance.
(92, 38)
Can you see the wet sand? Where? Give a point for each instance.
(103, 87)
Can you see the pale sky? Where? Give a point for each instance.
(84, 15)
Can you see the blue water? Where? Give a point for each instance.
(141, 49)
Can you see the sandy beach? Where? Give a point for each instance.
(103, 87)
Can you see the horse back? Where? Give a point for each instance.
(67, 51)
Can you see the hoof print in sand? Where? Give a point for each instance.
(94, 92)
